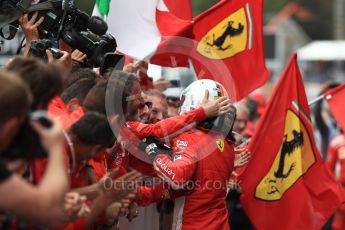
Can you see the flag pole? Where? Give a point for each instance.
(327, 97)
(319, 98)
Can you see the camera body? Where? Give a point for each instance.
(38, 49)
(27, 142)
(75, 27)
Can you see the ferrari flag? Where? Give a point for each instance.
(229, 48)
(287, 184)
(335, 99)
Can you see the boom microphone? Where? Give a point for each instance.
(97, 25)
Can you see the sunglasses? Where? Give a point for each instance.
(172, 101)
(148, 104)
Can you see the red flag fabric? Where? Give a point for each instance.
(181, 8)
(230, 46)
(286, 184)
(171, 52)
(335, 99)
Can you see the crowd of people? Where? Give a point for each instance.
(70, 159)
(83, 150)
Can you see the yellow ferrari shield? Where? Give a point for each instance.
(227, 38)
(294, 158)
(220, 145)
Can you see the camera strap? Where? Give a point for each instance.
(41, 6)
(72, 160)
(12, 31)
(23, 5)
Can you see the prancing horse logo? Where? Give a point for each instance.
(288, 149)
(294, 158)
(227, 38)
(230, 31)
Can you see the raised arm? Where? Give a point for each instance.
(176, 170)
(32, 203)
(176, 125)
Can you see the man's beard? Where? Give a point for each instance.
(133, 117)
(145, 118)
(132, 113)
(153, 120)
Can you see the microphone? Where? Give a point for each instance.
(68, 6)
(97, 25)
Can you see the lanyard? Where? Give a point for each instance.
(72, 161)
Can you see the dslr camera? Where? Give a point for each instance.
(27, 143)
(38, 49)
(62, 20)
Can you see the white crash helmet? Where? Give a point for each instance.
(192, 96)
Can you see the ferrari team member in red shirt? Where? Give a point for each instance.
(88, 136)
(126, 154)
(199, 168)
(133, 131)
(336, 153)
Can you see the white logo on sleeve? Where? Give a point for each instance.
(165, 168)
(181, 143)
(151, 148)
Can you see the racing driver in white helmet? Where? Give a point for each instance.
(200, 166)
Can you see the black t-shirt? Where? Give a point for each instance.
(4, 172)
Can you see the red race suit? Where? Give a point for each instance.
(201, 165)
(127, 153)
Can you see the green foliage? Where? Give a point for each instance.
(86, 5)
(272, 6)
(199, 6)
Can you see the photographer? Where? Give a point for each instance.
(29, 27)
(22, 199)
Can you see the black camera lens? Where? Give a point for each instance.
(42, 117)
(40, 46)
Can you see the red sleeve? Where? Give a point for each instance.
(79, 224)
(38, 167)
(57, 107)
(67, 118)
(76, 114)
(150, 194)
(168, 126)
(98, 168)
(177, 171)
(141, 166)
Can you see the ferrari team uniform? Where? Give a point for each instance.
(197, 172)
(127, 153)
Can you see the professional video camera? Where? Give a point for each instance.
(62, 20)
